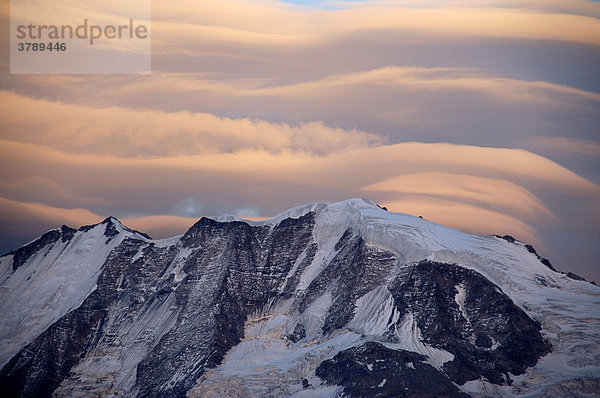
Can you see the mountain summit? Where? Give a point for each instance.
(323, 300)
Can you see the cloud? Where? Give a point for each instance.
(265, 105)
(466, 202)
(14, 213)
(271, 23)
(567, 145)
(391, 104)
(506, 180)
(465, 217)
(160, 226)
(502, 195)
(24, 221)
(482, 190)
(134, 133)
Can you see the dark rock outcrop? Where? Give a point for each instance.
(373, 370)
(489, 336)
(23, 254)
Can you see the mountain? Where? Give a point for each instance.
(323, 300)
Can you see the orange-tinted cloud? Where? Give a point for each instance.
(160, 226)
(512, 182)
(256, 107)
(465, 217)
(500, 194)
(272, 23)
(23, 221)
(481, 190)
(134, 133)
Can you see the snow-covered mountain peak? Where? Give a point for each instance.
(43, 280)
(319, 300)
(342, 208)
(354, 205)
(114, 226)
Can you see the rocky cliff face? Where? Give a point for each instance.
(322, 300)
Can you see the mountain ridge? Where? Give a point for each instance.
(193, 314)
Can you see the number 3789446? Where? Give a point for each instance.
(57, 46)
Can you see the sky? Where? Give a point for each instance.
(480, 115)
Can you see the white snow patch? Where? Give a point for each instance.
(495, 344)
(330, 224)
(409, 336)
(292, 271)
(263, 362)
(460, 300)
(314, 316)
(167, 241)
(179, 263)
(6, 263)
(319, 392)
(484, 389)
(382, 383)
(375, 312)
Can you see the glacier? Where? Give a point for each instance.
(321, 300)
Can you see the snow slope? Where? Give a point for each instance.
(299, 290)
(54, 281)
(568, 309)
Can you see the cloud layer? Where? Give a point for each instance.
(481, 116)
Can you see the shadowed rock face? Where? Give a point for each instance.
(24, 253)
(353, 272)
(39, 368)
(373, 370)
(489, 336)
(161, 315)
(233, 269)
